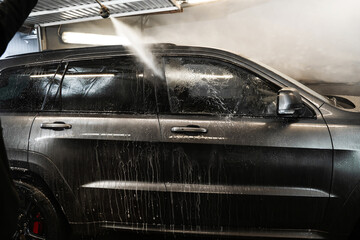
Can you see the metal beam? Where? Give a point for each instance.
(177, 4)
(134, 13)
(78, 7)
(55, 12)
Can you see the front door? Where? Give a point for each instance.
(233, 164)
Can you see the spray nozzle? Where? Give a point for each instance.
(104, 11)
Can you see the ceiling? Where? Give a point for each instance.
(56, 12)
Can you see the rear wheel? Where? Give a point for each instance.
(38, 218)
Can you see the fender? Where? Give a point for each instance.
(348, 215)
(41, 166)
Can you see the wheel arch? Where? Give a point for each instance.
(40, 172)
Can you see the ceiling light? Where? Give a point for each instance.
(93, 39)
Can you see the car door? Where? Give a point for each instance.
(22, 93)
(100, 129)
(233, 163)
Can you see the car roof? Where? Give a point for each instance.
(59, 54)
(56, 56)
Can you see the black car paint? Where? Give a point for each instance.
(309, 180)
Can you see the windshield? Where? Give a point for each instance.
(295, 82)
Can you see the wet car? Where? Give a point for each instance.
(213, 145)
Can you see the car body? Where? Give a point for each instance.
(201, 148)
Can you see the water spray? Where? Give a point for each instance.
(135, 42)
(104, 11)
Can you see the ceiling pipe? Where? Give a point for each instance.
(186, 3)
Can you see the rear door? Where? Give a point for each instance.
(22, 94)
(102, 133)
(233, 164)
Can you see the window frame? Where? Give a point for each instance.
(162, 90)
(27, 66)
(145, 82)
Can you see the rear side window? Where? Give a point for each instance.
(210, 86)
(25, 88)
(106, 85)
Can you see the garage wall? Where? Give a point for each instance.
(19, 45)
(306, 39)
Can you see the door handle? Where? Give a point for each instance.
(189, 129)
(57, 126)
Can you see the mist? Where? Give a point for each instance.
(309, 40)
(136, 45)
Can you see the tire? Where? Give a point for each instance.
(38, 219)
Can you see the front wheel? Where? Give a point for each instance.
(38, 218)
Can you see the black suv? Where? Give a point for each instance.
(214, 145)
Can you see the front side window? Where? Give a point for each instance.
(210, 86)
(25, 88)
(105, 85)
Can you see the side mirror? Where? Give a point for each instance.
(289, 102)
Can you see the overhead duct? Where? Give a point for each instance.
(56, 12)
